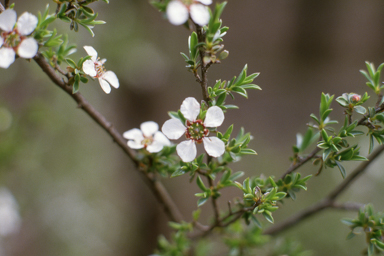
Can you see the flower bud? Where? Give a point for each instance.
(355, 98)
(224, 54)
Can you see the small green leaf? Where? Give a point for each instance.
(201, 201)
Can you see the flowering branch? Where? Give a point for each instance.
(155, 185)
(328, 201)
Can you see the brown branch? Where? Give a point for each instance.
(365, 117)
(156, 186)
(203, 79)
(295, 166)
(328, 201)
(6, 4)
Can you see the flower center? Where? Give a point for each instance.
(147, 141)
(196, 131)
(188, 2)
(100, 69)
(11, 39)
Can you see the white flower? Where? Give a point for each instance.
(94, 68)
(10, 220)
(178, 11)
(195, 130)
(149, 137)
(14, 38)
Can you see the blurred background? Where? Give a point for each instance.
(78, 194)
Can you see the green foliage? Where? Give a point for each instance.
(352, 102)
(370, 223)
(325, 110)
(239, 86)
(78, 13)
(373, 77)
(292, 183)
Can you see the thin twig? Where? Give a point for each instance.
(203, 79)
(328, 201)
(156, 186)
(295, 166)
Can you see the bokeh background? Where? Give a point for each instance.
(78, 194)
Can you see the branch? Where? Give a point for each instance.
(203, 80)
(156, 186)
(6, 4)
(301, 162)
(366, 116)
(328, 201)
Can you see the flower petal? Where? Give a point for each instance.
(199, 14)
(214, 117)
(173, 129)
(135, 144)
(206, 2)
(155, 147)
(190, 108)
(177, 13)
(105, 85)
(214, 146)
(133, 134)
(91, 52)
(7, 57)
(187, 150)
(1, 41)
(28, 48)
(26, 23)
(160, 138)
(89, 68)
(111, 78)
(8, 20)
(149, 128)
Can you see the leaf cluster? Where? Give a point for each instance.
(79, 13)
(373, 77)
(370, 223)
(352, 102)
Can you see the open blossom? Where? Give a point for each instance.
(148, 137)
(95, 68)
(14, 37)
(195, 130)
(178, 11)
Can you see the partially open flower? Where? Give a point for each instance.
(355, 98)
(195, 130)
(178, 11)
(14, 38)
(148, 137)
(95, 68)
